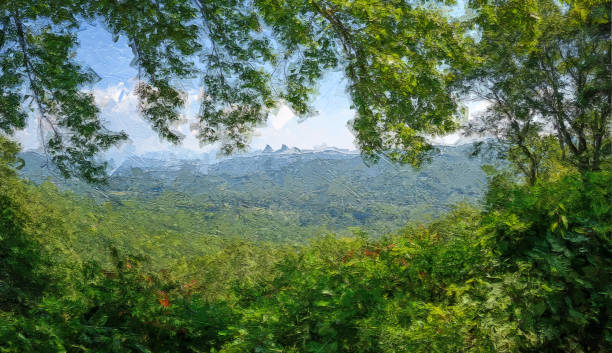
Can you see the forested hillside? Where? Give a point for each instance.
(286, 195)
(80, 275)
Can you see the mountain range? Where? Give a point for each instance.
(330, 187)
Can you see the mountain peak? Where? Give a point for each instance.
(268, 149)
(283, 148)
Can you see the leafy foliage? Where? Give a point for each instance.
(529, 271)
(544, 68)
(249, 57)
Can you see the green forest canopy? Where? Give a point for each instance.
(542, 65)
(529, 271)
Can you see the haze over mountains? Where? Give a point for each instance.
(305, 190)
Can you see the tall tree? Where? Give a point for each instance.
(544, 67)
(249, 56)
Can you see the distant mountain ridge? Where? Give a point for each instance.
(288, 188)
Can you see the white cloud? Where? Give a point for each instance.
(474, 109)
(119, 111)
(281, 118)
(29, 137)
(477, 107)
(327, 128)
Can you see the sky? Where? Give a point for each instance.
(114, 94)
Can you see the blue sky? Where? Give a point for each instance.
(114, 93)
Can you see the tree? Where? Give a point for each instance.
(249, 56)
(544, 67)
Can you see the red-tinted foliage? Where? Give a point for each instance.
(163, 299)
